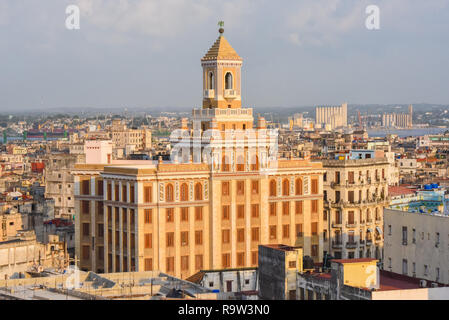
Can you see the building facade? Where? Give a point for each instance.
(131, 139)
(184, 217)
(416, 244)
(398, 120)
(59, 183)
(332, 117)
(355, 193)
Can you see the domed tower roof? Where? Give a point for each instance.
(221, 50)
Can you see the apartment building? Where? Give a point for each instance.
(355, 193)
(11, 223)
(130, 139)
(23, 252)
(416, 244)
(184, 217)
(331, 117)
(59, 183)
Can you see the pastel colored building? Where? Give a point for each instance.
(191, 214)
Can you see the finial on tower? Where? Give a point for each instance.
(221, 25)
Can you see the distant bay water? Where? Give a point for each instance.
(405, 132)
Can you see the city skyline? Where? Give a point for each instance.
(125, 55)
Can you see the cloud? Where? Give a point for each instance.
(3, 13)
(151, 17)
(323, 21)
(328, 21)
(156, 18)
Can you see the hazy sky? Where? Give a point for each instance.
(146, 53)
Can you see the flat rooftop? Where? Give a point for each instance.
(395, 281)
(359, 260)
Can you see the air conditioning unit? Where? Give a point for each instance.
(434, 285)
(423, 283)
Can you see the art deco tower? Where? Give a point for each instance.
(221, 76)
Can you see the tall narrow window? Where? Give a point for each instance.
(184, 192)
(229, 81)
(298, 187)
(255, 187)
(314, 186)
(169, 193)
(240, 163)
(240, 187)
(254, 159)
(285, 187)
(147, 194)
(147, 214)
(198, 191)
(225, 188)
(225, 164)
(273, 209)
(211, 80)
(272, 188)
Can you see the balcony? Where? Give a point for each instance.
(336, 244)
(209, 94)
(369, 242)
(351, 245)
(362, 242)
(230, 94)
(369, 222)
(210, 113)
(351, 225)
(336, 225)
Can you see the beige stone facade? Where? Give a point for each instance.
(11, 223)
(24, 253)
(59, 184)
(332, 117)
(184, 217)
(356, 191)
(180, 218)
(416, 245)
(124, 137)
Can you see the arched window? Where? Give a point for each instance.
(169, 192)
(254, 163)
(229, 81)
(211, 81)
(285, 187)
(198, 191)
(225, 164)
(184, 192)
(240, 163)
(273, 188)
(298, 187)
